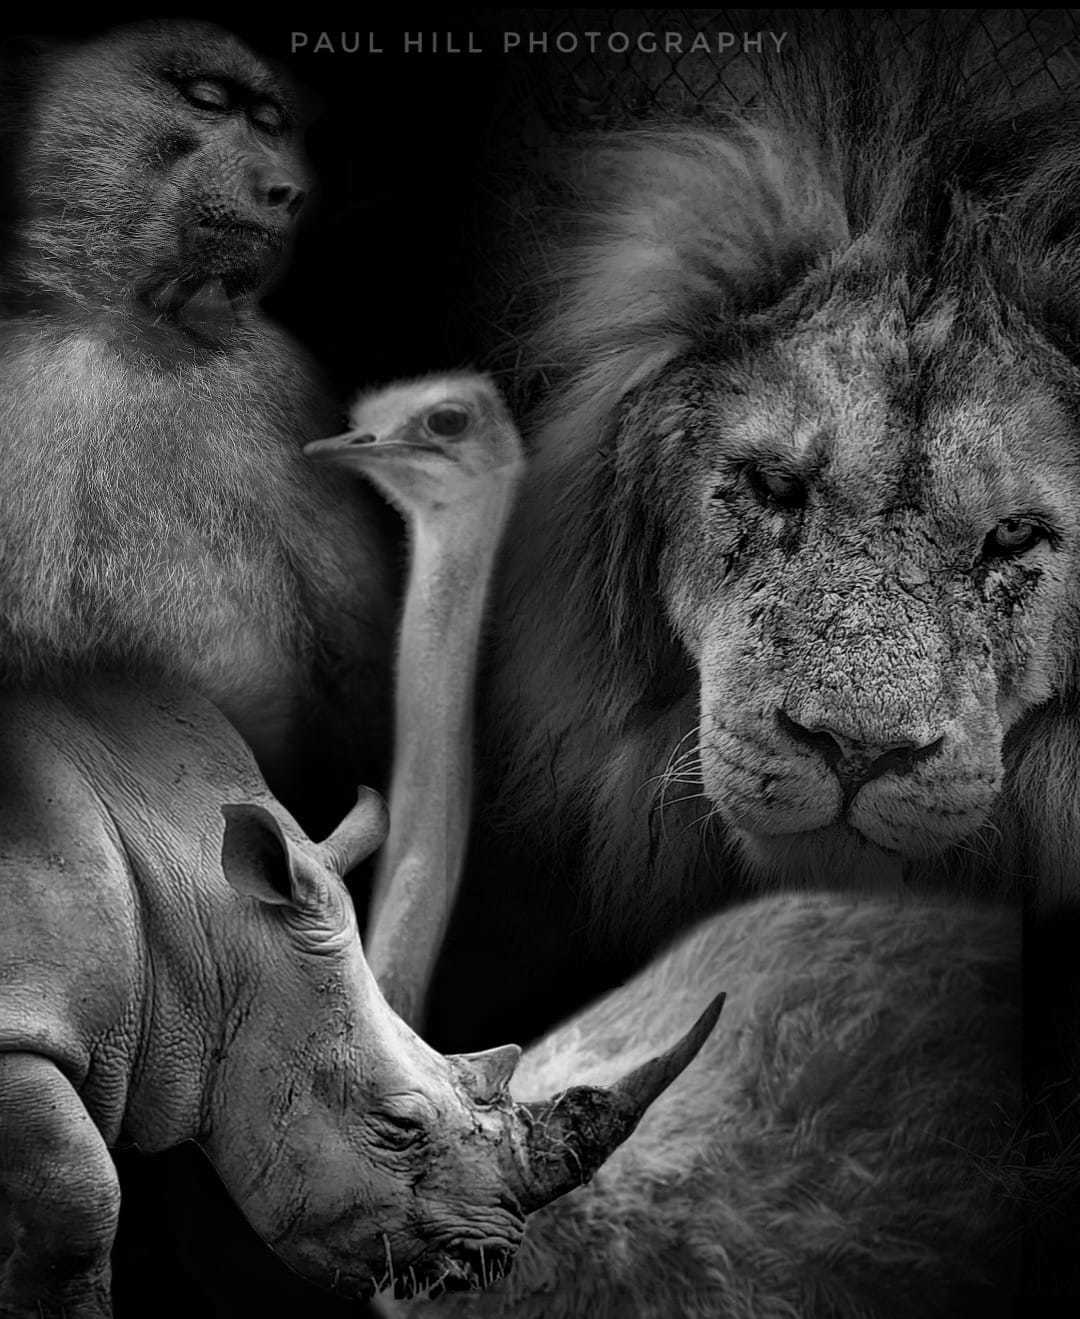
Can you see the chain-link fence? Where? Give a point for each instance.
(565, 71)
(588, 68)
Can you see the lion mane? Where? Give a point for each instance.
(867, 182)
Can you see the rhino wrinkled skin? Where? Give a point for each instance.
(178, 960)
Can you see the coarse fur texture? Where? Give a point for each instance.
(844, 1147)
(799, 543)
(158, 517)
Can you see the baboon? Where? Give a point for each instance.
(157, 516)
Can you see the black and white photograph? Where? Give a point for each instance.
(539, 663)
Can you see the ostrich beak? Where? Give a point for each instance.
(362, 446)
(336, 445)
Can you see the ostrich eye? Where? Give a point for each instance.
(207, 94)
(776, 489)
(1012, 537)
(447, 421)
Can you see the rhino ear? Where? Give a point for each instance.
(260, 860)
(485, 1076)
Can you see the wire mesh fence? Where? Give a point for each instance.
(577, 70)
(589, 68)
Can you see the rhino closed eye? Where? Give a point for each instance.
(398, 1131)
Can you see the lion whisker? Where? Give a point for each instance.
(683, 768)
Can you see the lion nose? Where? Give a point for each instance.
(855, 762)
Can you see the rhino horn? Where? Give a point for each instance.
(569, 1137)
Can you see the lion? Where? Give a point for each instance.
(791, 596)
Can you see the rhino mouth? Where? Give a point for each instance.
(466, 1267)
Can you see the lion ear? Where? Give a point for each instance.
(1024, 170)
(1047, 285)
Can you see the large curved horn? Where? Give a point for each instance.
(569, 1137)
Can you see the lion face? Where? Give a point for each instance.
(870, 543)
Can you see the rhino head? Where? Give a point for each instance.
(364, 1158)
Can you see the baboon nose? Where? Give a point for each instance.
(855, 762)
(287, 196)
(277, 192)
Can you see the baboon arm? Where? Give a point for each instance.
(59, 1197)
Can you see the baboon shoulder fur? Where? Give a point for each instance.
(157, 516)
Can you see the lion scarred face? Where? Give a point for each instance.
(870, 530)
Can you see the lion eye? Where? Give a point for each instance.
(207, 94)
(1013, 536)
(776, 489)
(447, 421)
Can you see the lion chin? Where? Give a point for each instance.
(834, 857)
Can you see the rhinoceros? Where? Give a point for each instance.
(850, 1149)
(179, 961)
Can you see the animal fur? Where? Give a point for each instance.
(157, 517)
(843, 1147)
(878, 252)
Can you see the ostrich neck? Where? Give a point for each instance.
(452, 554)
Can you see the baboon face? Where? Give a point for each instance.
(162, 161)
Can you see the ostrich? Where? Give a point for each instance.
(447, 455)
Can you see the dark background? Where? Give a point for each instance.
(397, 271)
